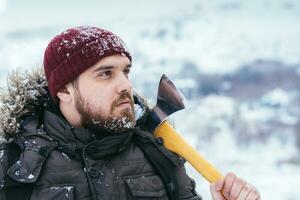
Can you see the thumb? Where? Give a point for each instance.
(216, 190)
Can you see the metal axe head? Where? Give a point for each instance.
(169, 100)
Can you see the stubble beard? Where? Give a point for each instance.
(96, 121)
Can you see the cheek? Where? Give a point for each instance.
(99, 99)
(99, 95)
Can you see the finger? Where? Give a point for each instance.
(215, 189)
(253, 195)
(229, 179)
(237, 187)
(245, 191)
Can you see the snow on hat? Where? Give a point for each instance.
(76, 49)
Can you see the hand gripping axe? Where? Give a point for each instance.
(170, 100)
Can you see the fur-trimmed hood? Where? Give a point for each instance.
(27, 93)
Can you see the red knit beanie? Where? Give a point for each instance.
(74, 50)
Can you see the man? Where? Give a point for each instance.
(88, 141)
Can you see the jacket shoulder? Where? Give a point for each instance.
(33, 153)
(185, 186)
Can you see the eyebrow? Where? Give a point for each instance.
(106, 67)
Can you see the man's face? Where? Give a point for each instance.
(103, 95)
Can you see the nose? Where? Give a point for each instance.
(124, 85)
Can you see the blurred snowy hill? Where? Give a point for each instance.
(237, 62)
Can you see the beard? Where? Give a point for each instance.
(95, 120)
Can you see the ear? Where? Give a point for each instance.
(65, 94)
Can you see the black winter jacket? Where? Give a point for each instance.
(60, 162)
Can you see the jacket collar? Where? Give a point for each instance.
(74, 141)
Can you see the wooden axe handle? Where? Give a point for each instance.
(173, 141)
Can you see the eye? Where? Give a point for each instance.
(126, 72)
(105, 74)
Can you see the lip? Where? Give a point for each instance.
(123, 103)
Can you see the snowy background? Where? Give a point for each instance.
(237, 62)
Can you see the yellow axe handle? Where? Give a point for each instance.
(173, 141)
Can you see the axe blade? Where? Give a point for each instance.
(169, 100)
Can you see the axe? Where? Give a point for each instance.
(170, 100)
